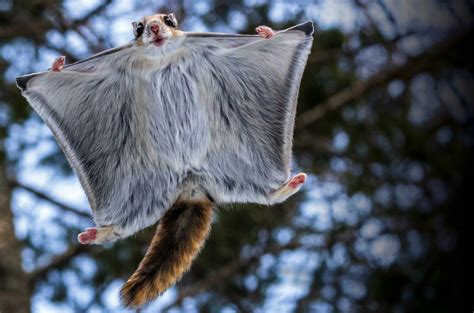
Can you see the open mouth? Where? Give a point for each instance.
(159, 41)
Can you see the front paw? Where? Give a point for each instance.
(265, 31)
(58, 64)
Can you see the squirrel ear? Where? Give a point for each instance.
(173, 18)
(134, 25)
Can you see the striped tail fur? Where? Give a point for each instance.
(179, 237)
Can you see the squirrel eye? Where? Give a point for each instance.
(169, 21)
(139, 30)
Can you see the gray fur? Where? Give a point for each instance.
(138, 123)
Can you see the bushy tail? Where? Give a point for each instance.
(180, 236)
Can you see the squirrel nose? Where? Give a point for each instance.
(155, 28)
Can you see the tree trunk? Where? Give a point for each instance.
(14, 292)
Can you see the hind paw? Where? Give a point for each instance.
(297, 180)
(289, 188)
(88, 236)
(99, 235)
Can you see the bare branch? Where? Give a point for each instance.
(425, 61)
(226, 272)
(14, 294)
(388, 13)
(64, 24)
(58, 262)
(97, 294)
(97, 10)
(68, 54)
(231, 268)
(43, 196)
(310, 142)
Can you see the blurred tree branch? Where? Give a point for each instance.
(43, 196)
(97, 295)
(309, 142)
(94, 12)
(388, 13)
(326, 55)
(231, 268)
(219, 283)
(57, 262)
(428, 60)
(14, 296)
(64, 24)
(227, 271)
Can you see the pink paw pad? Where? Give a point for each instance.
(88, 236)
(58, 64)
(265, 31)
(297, 180)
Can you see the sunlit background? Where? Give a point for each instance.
(384, 130)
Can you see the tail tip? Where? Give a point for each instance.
(135, 295)
(132, 295)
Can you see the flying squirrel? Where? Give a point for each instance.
(169, 126)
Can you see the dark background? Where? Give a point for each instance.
(384, 129)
